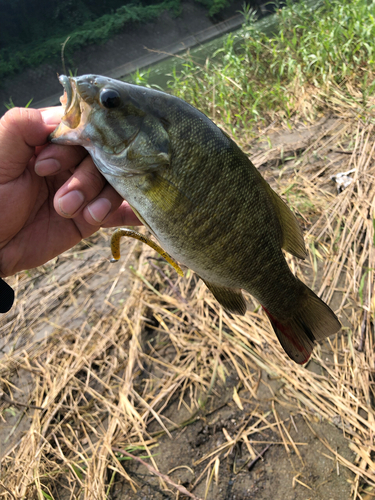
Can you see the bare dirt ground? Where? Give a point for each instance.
(298, 472)
(101, 357)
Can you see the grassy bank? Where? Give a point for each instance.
(315, 59)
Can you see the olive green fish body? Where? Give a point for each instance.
(201, 197)
(209, 207)
(220, 245)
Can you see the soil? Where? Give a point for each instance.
(279, 475)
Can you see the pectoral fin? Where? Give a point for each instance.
(230, 298)
(167, 196)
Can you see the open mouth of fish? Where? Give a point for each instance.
(76, 103)
(71, 101)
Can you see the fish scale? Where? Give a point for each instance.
(201, 197)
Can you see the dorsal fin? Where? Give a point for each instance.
(292, 237)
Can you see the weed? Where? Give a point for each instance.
(10, 104)
(255, 77)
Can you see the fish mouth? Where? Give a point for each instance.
(66, 99)
(72, 123)
(71, 101)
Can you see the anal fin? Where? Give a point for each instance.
(231, 299)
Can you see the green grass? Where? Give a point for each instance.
(10, 104)
(256, 77)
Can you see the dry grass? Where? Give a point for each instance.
(105, 350)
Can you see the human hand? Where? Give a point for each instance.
(51, 196)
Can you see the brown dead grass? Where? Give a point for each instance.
(101, 381)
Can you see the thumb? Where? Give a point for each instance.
(21, 130)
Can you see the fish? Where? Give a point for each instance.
(201, 197)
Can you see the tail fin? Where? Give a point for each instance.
(313, 321)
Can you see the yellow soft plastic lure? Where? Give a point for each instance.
(124, 231)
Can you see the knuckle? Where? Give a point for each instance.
(93, 179)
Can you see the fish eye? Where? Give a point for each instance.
(110, 98)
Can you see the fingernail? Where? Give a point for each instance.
(99, 209)
(52, 116)
(71, 202)
(49, 166)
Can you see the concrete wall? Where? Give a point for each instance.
(122, 54)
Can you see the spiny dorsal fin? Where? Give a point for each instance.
(230, 298)
(292, 241)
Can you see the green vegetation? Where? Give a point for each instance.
(215, 6)
(33, 32)
(10, 104)
(14, 58)
(314, 56)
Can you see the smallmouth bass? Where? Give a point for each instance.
(201, 197)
